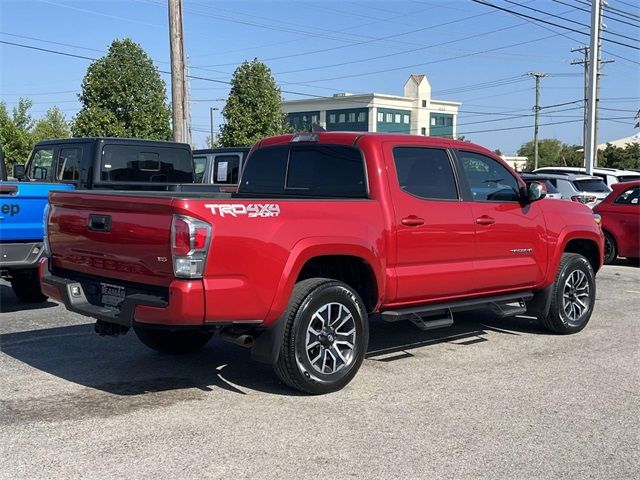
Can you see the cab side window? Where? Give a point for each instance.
(425, 173)
(488, 179)
(41, 164)
(69, 165)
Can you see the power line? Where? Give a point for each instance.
(535, 19)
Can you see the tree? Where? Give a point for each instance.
(52, 125)
(552, 152)
(498, 152)
(617, 157)
(123, 96)
(254, 107)
(15, 132)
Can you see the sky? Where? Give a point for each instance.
(471, 53)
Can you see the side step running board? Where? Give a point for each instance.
(441, 314)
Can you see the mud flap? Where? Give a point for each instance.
(266, 346)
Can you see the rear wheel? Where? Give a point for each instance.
(610, 248)
(573, 295)
(174, 342)
(26, 285)
(325, 338)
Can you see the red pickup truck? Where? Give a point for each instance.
(325, 230)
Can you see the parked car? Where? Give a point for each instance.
(620, 213)
(324, 230)
(219, 166)
(609, 175)
(552, 192)
(109, 163)
(21, 230)
(579, 188)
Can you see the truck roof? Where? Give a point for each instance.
(113, 140)
(351, 138)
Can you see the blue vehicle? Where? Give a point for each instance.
(21, 233)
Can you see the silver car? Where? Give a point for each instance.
(586, 189)
(609, 175)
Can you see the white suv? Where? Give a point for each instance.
(609, 175)
(579, 188)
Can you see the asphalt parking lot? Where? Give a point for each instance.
(487, 398)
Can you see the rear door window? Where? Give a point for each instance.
(69, 164)
(425, 172)
(306, 171)
(142, 164)
(199, 165)
(41, 165)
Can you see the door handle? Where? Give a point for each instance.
(412, 221)
(485, 220)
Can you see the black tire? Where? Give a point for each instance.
(562, 317)
(610, 248)
(294, 366)
(174, 342)
(26, 286)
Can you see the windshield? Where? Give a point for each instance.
(597, 186)
(550, 187)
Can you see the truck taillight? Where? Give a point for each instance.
(190, 240)
(45, 231)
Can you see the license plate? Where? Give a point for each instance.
(111, 295)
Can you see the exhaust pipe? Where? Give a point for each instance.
(242, 340)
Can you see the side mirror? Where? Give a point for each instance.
(18, 172)
(536, 191)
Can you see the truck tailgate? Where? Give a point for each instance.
(112, 235)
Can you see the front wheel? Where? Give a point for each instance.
(573, 295)
(173, 342)
(325, 338)
(26, 285)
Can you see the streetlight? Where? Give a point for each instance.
(212, 109)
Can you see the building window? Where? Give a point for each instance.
(397, 118)
(314, 118)
(352, 117)
(449, 121)
(389, 117)
(423, 131)
(405, 118)
(380, 117)
(332, 118)
(362, 117)
(341, 118)
(304, 118)
(433, 121)
(424, 104)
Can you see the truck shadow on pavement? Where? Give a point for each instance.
(124, 367)
(9, 302)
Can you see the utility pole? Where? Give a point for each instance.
(585, 63)
(212, 109)
(590, 150)
(187, 103)
(536, 109)
(176, 42)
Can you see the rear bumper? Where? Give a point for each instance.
(20, 255)
(184, 305)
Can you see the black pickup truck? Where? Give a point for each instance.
(109, 163)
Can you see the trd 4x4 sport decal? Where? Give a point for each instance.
(253, 210)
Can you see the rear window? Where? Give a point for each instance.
(306, 171)
(628, 178)
(226, 169)
(200, 164)
(591, 186)
(143, 164)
